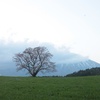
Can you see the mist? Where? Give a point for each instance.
(60, 54)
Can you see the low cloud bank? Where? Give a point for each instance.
(60, 54)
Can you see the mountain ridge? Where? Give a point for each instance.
(64, 67)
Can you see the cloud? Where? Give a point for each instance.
(60, 54)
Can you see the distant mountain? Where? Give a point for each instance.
(64, 66)
(9, 69)
(67, 68)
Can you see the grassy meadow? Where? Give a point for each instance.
(50, 88)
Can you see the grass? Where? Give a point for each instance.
(47, 88)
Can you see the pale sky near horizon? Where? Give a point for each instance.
(68, 23)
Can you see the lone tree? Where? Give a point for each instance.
(35, 60)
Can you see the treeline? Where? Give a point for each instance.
(87, 72)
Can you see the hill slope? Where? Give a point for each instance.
(87, 72)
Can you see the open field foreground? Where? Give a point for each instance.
(47, 88)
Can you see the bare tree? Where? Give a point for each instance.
(35, 60)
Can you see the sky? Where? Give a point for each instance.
(70, 24)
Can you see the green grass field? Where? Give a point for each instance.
(67, 88)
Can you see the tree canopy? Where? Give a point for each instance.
(35, 60)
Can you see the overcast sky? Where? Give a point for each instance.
(73, 24)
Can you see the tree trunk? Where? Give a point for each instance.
(34, 75)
